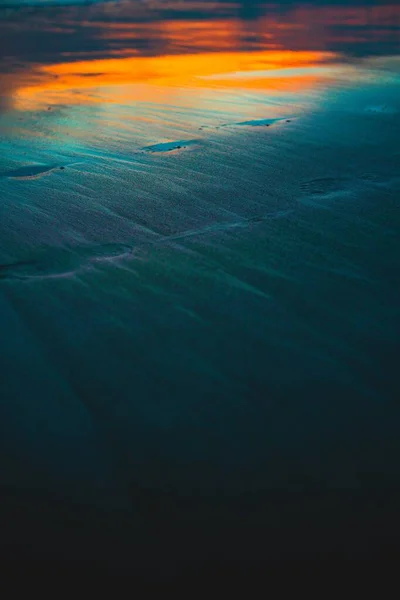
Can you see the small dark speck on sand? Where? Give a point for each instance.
(287, 120)
(49, 108)
(266, 124)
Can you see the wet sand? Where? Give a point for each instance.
(200, 322)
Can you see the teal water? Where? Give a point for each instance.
(200, 314)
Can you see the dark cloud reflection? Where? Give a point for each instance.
(46, 33)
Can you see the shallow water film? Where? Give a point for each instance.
(199, 282)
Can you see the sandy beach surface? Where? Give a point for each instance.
(199, 281)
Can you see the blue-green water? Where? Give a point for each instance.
(199, 314)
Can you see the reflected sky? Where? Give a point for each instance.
(73, 54)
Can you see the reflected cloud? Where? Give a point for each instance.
(61, 53)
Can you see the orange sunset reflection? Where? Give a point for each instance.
(95, 79)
